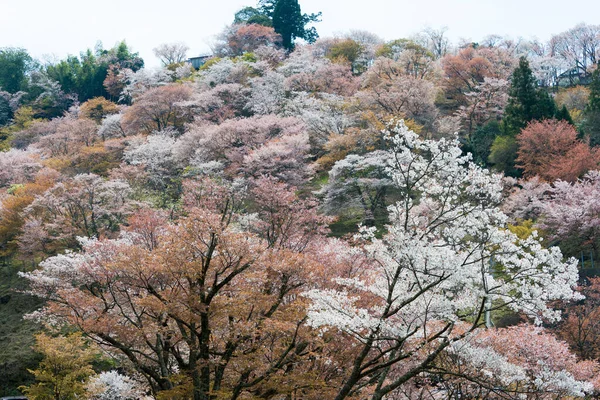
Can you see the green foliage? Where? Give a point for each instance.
(85, 75)
(209, 63)
(523, 229)
(594, 99)
(290, 23)
(346, 50)
(526, 101)
(22, 119)
(480, 142)
(563, 114)
(249, 57)
(393, 48)
(5, 111)
(66, 366)
(503, 154)
(591, 115)
(15, 64)
(251, 15)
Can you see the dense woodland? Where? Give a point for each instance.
(303, 217)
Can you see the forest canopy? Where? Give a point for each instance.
(302, 217)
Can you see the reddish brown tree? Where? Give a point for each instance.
(158, 109)
(247, 38)
(551, 150)
(205, 309)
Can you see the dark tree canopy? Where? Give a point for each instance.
(15, 64)
(526, 101)
(290, 23)
(591, 122)
(251, 15)
(594, 99)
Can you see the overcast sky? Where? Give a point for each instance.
(56, 28)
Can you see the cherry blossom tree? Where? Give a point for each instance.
(158, 109)
(445, 259)
(111, 127)
(387, 90)
(254, 146)
(225, 71)
(284, 219)
(283, 157)
(112, 385)
(484, 104)
(85, 205)
(156, 154)
(69, 136)
(470, 66)
(579, 47)
(211, 310)
(224, 101)
(518, 360)
(333, 78)
(130, 84)
(267, 94)
(551, 150)
(18, 166)
(571, 214)
(527, 199)
(239, 39)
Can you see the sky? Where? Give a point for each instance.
(53, 29)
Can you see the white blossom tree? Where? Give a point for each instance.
(445, 260)
(111, 385)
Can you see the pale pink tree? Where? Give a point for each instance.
(486, 103)
(224, 101)
(18, 166)
(516, 361)
(284, 219)
(69, 136)
(571, 214)
(284, 158)
(387, 90)
(86, 205)
(158, 109)
(236, 144)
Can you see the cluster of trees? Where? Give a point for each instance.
(342, 218)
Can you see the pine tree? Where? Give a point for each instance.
(526, 101)
(290, 23)
(591, 123)
(594, 99)
(563, 114)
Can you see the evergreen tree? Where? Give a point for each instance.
(15, 65)
(290, 23)
(594, 99)
(526, 101)
(251, 15)
(591, 122)
(563, 114)
(480, 142)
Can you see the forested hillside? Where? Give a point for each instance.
(296, 217)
